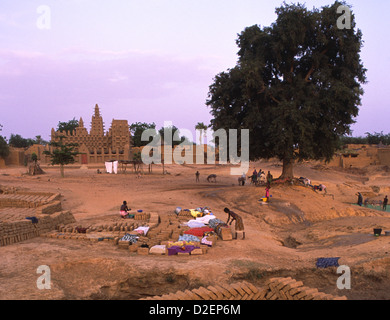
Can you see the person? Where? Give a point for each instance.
(385, 200)
(239, 226)
(267, 192)
(124, 211)
(360, 199)
(322, 188)
(197, 174)
(269, 178)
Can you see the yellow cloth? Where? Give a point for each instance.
(196, 213)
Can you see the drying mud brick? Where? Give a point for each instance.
(143, 251)
(226, 234)
(197, 251)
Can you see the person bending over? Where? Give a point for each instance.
(239, 226)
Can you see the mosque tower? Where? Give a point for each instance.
(97, 126)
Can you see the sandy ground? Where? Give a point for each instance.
(283, 238)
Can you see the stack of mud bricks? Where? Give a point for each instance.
(290, 289)
(141, 216)
(275, 289)
(16, 231)
(45, 203)
(236, 291)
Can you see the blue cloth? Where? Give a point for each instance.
(33, 219)
(213, 223)
(327, 262)
(189, 238)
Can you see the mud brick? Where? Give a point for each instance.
(196, 251)
(271, 296)
(251, 287)
(340, 298)
(245, 296)
(261, 294)
(225, 292)
(212, 295)
(244, 287)
(305, 292)
(218, 293)
(183, 253)
(293, 287)
(182, 296)
(226, 234)
(133, 248)
(238, 288)
(284, 282)
(271, 280)
(282, 295)
(203, 295)
(143, 251)
(229, 288)
(192, 295)
(288, 295)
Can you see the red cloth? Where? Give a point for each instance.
(198, 232)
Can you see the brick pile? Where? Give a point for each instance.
(17, 205)
(274, 289)
(13, 232)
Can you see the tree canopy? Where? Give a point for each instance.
(68, 126)
(62, 153)
(136, 130)
(296, 85)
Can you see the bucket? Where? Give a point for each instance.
(377, 232)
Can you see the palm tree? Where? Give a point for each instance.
(201, 126)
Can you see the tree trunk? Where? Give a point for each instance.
(62, 170)
(287, 172)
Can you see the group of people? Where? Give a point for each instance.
(360, 201)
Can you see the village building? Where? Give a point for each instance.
(97, 146)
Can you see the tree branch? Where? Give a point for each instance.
(312, 67)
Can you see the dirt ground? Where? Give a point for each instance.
(283, 238)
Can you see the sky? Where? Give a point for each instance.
(147, 60)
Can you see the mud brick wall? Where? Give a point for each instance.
(20, 199)
(274, 289)
(13, 232)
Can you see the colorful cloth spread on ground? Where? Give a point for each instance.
(206, 242)
(206, 219)
(130, 237)
(213, 223)
(184, 249)
(198, 232)
(327, 262)
(188, 237)
(157, 249)
(182, 246)
(142, 230)
(195, 224)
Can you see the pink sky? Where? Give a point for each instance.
(146, 61)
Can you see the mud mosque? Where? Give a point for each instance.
(98, 146)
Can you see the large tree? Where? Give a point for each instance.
(62, 153)
(296, 85)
